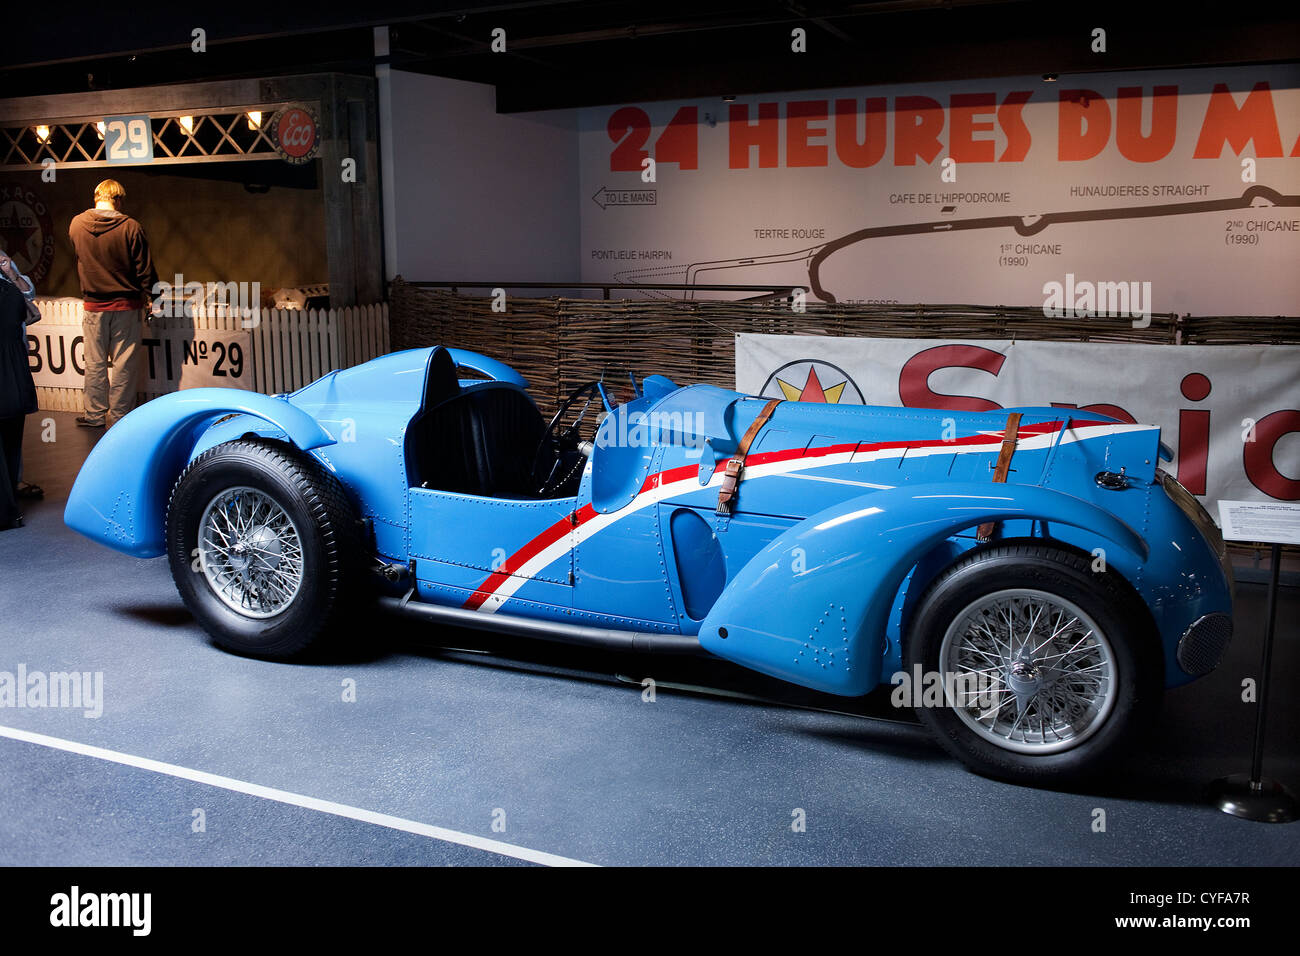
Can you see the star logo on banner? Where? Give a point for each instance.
(812, 390)
(810, 380)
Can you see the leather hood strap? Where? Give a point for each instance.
(736, 466)
(1003, 466)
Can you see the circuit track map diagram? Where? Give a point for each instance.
(812, 258)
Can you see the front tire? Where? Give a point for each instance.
(262, 545)
(1050, 668)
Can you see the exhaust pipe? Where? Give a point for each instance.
(640, 642)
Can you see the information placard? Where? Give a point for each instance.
(1268, 522)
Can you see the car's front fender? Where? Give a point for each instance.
(812, 607)
(120, 495)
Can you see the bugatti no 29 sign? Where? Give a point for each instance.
(173, 355)
(1230, 414)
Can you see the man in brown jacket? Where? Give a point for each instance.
(117, 282)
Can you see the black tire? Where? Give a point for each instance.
(326, 530)
(1000, 572)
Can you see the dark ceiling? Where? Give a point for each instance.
(562, 54)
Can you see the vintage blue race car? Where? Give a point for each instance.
(1029, 578)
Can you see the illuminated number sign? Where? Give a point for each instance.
(128, 139)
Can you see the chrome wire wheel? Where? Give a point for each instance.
(250, 552)
(1028, 670)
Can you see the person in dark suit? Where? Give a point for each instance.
(17, 391)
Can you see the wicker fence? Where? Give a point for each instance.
(559, 343)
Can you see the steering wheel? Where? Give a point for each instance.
(565, 455)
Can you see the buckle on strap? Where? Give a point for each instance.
(736, 465)
(730, 481)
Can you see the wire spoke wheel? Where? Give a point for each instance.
(1028, 670)
(264, 546)
(250, 552)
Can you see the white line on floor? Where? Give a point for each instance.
(293, 799)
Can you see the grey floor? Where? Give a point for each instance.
(450, 727)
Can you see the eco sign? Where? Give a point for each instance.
(296, 134)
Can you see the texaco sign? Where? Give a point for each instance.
(27, 231)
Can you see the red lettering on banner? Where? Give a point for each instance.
(918, 121)
(1144, 127)
(798, 151)
(914, 378)
(1082, 125)
(1193, 434)
(679, 142)
(1128, 123)
(1257, 455)
(1193, 449)
(764, 134)
(1226, 123)
(962, 144)
(859, 152)
(634, 124)
(629, 129)
(1013, 125)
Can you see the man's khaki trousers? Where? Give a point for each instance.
(115, 336)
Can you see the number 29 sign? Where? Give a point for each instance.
(128, 139)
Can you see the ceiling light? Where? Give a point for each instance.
(187, 123)
(1051, 77)
(43, 134)
(254, 119)
(99, 128)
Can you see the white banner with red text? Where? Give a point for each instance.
(1231, 413)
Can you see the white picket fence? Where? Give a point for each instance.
(289, 348)
(292, 348)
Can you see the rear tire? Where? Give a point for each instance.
(1065, 669)
(263, 545)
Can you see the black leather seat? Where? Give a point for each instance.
(477, 441)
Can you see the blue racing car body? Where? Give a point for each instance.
(840, 524)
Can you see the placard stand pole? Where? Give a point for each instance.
(1254, 796)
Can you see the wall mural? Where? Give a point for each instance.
(1166, 192)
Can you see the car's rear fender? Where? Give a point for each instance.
(120, 495)
(812, 607)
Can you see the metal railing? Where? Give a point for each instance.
(762, 292)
